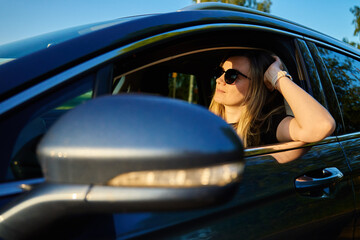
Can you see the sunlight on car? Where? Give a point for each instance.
(5, 60)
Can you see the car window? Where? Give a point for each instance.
(24, 162)
(183, 86)
(344, 72)
(168, 84)
(187, 77)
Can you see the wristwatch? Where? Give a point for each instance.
(279, 75)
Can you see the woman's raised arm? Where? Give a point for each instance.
(311, 121)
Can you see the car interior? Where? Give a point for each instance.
(188, 78)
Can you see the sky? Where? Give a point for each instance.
(21, 19)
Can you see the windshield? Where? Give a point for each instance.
(11, 51)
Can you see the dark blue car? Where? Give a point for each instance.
(105, 133)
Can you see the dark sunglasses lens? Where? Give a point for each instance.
(230, 76)
(218, 72)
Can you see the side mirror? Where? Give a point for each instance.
(133, 153)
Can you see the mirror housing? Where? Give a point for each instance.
(129, 153)
(115, 135)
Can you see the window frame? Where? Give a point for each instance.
(298, 67)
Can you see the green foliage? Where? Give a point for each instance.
(356, 21)
(356, 11)
(263, 6)
(354, 44)
(179, 87)
(75, 101)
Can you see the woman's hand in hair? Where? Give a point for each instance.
(271, 74)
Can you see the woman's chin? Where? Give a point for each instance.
(219, 99)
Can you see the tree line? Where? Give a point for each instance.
(265, 6)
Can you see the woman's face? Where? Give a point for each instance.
(233, 94)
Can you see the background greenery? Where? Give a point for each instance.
(265, 6)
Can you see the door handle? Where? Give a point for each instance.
(328, 176)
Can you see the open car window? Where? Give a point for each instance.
(188, 77)
(168, 84)
(191, 59)
(177, 78)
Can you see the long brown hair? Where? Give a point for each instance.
(260, 104)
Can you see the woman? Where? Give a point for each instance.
(248, 93)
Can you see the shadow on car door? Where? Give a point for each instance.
(270, 203)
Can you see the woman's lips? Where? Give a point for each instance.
(220, 91)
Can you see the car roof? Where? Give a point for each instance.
(39, 65)
(30, 45)
(231, 7)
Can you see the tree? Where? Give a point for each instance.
(354, 44)
(263, 6)
(356, 21)
(356, 11)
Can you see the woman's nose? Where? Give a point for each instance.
(220, 80)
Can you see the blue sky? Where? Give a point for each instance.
(20, 19)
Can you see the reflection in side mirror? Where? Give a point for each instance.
(130, 153)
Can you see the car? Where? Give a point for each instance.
(106, 133)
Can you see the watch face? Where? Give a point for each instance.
(289, 76)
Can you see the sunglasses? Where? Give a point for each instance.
(230, 75)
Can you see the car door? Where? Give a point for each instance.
(342, 70)
(274, 200)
